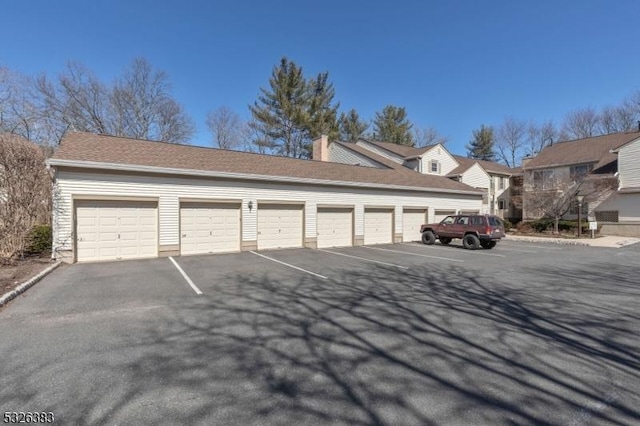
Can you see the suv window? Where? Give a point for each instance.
(477, 220)
(494, 221)
(463, 220)
(448, 220)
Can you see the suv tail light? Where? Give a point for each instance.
(488, 230)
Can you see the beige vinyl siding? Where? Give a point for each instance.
(382, 152)
(627, 206)
(629, 165)
(476, 177)
(440, 154)
(340, 154)
(170, 189)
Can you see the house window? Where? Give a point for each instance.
(543, 179)
(578, 172)
(501, 205)
(501, 182)
(435, 166)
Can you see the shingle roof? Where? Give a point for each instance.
(88, 147)
(590, 150)
(400, 150)
(489, 166)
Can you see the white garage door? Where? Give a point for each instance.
(378, 226)
(279, 226)
(441, 214)
(209, 228)
(412, 220)
(335, 227)
(111, 230)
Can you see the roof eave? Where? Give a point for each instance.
(244, 176)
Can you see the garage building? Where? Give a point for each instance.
(118, 198)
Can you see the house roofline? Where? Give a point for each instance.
(243, 176)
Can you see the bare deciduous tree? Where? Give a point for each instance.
(144, 109)
(428, 136)
(226, 127)
(25, 193)
(621, 118)
(539, 136)
(137, 105)
(554, 195)
(510, 140)
(580, 124)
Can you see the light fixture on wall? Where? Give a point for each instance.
(250, 205)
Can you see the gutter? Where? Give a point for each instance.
(243, 176)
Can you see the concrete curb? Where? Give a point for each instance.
(10, 295)
(547, 241)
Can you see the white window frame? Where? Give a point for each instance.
(434, 163)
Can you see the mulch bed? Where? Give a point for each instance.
(19, 271)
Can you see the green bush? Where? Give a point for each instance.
(541, 225)
(507, 225)
(40, 239)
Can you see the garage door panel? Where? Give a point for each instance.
(111, 230)
(209, 228)
(279, 226)
(412, 221)
(378, 226)
(334, 227)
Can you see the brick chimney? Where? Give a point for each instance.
(321, 148)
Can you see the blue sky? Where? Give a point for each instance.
(453, 64)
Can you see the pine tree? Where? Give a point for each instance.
(322, 113)
(481, 146)
(351, 126)
(294, 111)
(393, 126)
(281, 112)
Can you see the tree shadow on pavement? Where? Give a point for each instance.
(428, 346)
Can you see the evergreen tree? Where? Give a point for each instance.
(322, 113)
(294, 111)
(481, 146)
(280, 113)
(351, 126)
(392, 125)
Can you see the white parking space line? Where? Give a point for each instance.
(363, 259)
(475, 252)
(414, 254)
(289, 265)
(185, 276)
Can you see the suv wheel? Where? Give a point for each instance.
(488, 244)
(445, 240)
(471, 242)
(428, 238)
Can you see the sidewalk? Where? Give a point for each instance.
(606, 241)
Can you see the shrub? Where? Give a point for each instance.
(507, 225)
(541, 225)
(40, 239)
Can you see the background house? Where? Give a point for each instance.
(620, 213)
(589, 167)
(490, 177)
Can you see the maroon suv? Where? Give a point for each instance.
(476, 230)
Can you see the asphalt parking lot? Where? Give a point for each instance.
(383, 335)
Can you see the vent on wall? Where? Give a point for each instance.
(607, 216)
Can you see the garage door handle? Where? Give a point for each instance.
(118, 236)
